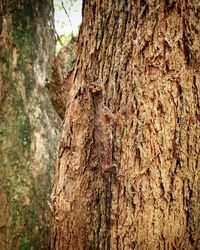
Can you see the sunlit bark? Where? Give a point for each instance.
(146, 55)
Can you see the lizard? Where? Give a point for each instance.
(103, 126)
(103, 136)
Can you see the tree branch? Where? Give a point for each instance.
(67, 15)
(58, 38)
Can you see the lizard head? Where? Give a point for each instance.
(95, 88)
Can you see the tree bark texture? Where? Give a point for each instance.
(28, 123)
(60, 80)
(146, 57)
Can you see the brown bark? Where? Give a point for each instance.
(146, 55)
(61, 78)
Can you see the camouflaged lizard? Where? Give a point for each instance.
(103, 125)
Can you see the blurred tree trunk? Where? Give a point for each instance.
(28, 123)
(146, 54)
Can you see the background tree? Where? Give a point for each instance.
(28, 124)
(145, 55)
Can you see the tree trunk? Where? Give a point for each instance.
(28, 123)
(141, 60)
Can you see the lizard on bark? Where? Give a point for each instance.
(103, 135)
(103, 126)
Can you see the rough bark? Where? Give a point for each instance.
(146, 54)
(28, 124)
(60, 81)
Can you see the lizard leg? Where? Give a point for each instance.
(109, 168)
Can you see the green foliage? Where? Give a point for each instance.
(62, 41)
(66, 9)
(58, 3)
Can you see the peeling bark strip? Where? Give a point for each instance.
(147, 55)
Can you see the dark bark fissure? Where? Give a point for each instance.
(99, 220)
(108, 206)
